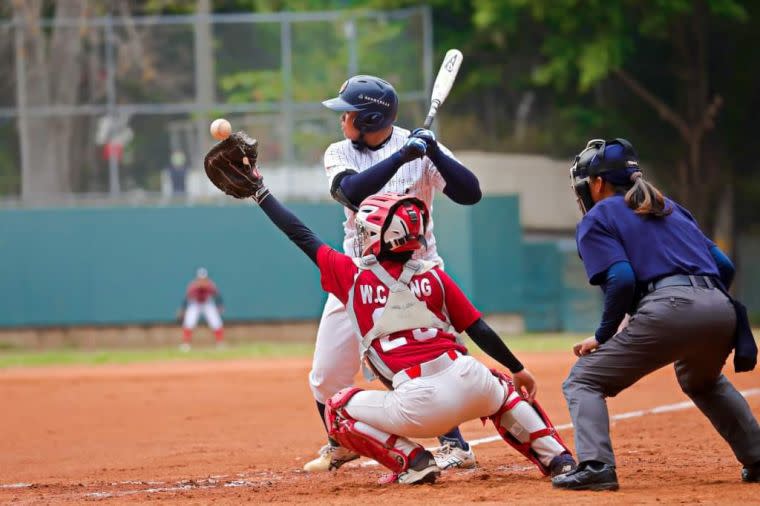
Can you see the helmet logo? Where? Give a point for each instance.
(374, 100)
(343, 87)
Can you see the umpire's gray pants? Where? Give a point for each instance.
(690, 326)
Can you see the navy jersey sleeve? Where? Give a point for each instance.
(726, 268)
(598, 248)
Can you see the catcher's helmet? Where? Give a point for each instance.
(613, 161)
(374, 99)
(391, 222)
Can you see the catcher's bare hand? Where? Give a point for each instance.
(231, 166)
(525, 384)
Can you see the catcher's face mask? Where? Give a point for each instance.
(391, 222)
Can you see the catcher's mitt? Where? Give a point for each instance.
(231, 166)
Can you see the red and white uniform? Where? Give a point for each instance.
(200, 296)
(436, 386)
(336, 352)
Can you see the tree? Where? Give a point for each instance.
(53, 71)
(596, 41)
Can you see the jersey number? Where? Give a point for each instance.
(387, 344)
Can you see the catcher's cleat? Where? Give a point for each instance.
(751, 474)
(330, 458)
(588, 476)
(562, 464)
(449, 455)
(423, 470)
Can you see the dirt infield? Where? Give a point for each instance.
(233, 432)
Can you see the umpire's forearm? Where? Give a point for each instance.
(294, 228)
(726, 269)
(619, 290)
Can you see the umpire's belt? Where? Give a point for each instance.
(680, 280)
(438, 364)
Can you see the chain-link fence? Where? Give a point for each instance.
(116, 109)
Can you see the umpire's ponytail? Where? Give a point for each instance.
(645, 199)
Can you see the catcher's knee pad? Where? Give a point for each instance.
(522, 424)
(362, 438)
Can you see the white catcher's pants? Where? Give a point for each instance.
(337, 356)
(431, 405)
(209, 311)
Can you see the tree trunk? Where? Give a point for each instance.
(53, 69)
(693, 115)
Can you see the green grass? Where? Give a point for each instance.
(72, 356)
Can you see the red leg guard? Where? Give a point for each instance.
(360, 437)
(219, 334)
(187, 334)
(524, 448)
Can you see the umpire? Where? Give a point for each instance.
(652, 261)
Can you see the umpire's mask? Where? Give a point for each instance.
(579, 174)
(593, 161)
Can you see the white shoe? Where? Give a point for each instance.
(184, 347)
(424, 471)
(330, 458)
(448, 456)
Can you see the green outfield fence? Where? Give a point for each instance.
(114, 266)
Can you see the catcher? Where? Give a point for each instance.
(404, 310)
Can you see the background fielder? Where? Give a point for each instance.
(377, 156)
(202, 297)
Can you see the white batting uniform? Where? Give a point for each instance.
(336, 353)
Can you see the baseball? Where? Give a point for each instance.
(220, 129)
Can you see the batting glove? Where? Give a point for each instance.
(428, 136)
(413, 148)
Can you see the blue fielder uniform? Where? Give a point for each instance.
(655, 248)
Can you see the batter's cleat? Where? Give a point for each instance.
(562, 464)
(449, 455)
(588, 476)
(184, 347)
(751, 474)
(330, 458)
(423, 470)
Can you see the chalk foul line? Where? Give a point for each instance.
(665, 408)
(266, 478)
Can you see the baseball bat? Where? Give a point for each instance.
(443, 82)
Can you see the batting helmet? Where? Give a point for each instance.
(391, 222)
(201, 273)
(613, 161)
(374, 99)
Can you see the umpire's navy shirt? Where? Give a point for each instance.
(655, 247)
